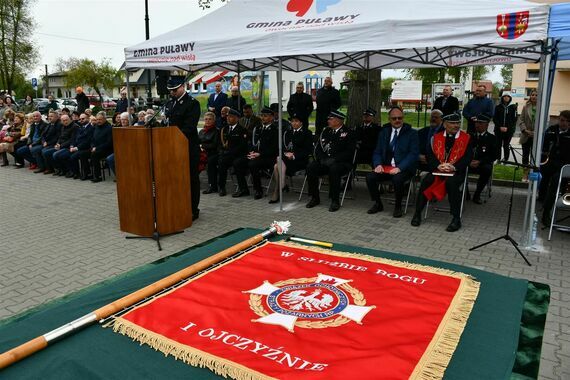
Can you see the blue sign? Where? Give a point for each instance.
(34, 82)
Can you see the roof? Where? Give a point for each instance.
(350, 34)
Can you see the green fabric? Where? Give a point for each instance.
(486, 350)
(531, 331)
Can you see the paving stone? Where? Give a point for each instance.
(64, 236)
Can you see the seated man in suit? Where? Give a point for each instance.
(50, 136)
(61, 148)
(425, 136)
(249, 120)
(297, 147)
(395, 159)
(448, 158)
(101, 146)
(366, 137)
(233, 146)
(81, 148)
(334, 155)
(484, 154)
(262, 155)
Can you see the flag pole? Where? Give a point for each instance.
(37, 344)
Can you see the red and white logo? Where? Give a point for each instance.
(511, 26)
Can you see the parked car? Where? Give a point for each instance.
(108, 103)
(42, 106)
(70, 104)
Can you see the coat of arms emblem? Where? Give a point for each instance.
(317, 302)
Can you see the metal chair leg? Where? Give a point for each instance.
(303, 187)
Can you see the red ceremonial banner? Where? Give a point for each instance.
(292, 312)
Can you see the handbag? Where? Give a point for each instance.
(203, 162)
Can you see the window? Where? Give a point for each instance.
(291, 87)
(532, 74)
(204, 87)
(195, 87)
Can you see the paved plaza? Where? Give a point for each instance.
(61, 235)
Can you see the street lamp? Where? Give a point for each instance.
(147, 31)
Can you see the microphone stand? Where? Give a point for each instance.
(507, 236)
(155, 235)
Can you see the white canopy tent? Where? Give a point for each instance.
(351, 35)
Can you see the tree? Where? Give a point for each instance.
(16, 49)
(81, 72)
(507, 75)
(360, 82)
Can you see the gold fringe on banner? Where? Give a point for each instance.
(438, 354)
(187, 354)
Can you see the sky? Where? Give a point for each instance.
(98, 29)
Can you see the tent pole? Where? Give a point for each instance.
(261, 93)
(280, 108)
(367, 80)
(239, 85)
(541, 123)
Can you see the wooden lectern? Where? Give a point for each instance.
(153, 180)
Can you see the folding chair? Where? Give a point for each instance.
(347, 178)
(485, 195)
(562, 201)
(447, 209)
(411, 183)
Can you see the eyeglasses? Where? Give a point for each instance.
(397, 118)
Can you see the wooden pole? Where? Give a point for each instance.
(41, 342)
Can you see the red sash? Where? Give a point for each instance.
(437, 188)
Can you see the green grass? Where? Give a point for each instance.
(505, 172)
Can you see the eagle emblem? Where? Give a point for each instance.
(317, 302)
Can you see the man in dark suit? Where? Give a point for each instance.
(395, 159)
(425, 136)
(34, 143)
(446, 103)
(366, 137)
(261, 156)
(183, 111)
(80, 148)
(216, 101)
(233, 146)
(448, 158)
(235, 100)
(101, 146)
(328, 99)
(300, 104)
(484, 154)
(557, 148)
(50, 136)
(249, 121)
(334, 156)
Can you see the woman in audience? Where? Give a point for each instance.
(29, 105)
(10, 136)
(526, 125)
(23, 141)
(209, 143)
(116, 119)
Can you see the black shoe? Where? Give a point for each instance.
(210, 190)
(19, 166)
(76, 176)
(222, 192)
(39, 170)
(55, 173)
(397, 212)
(5, 163)
(86, 177)
(314, 201)
(62, 173)
(454, 225)
(258, 195)
(240, 193)
(274, 201)
(477, 200)
(545, 220)
(377, 207)
(416, 220)
(335, 206)
(286, 188)
(69, 175)
(96, 180)
(49, 171)
(195, 215)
